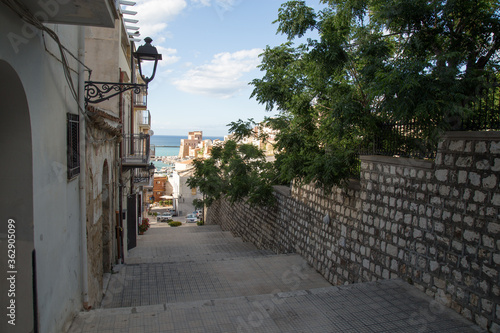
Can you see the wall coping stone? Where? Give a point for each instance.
(354, 184)
(399, 161)
(484, 135)
(284, 190)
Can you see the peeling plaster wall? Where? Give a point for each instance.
(101, 232)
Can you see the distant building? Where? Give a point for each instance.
(182, 193)
(159, 188)
(267, 144)
(191, 143)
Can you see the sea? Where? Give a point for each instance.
(169, 145)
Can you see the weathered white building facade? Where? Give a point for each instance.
(65, 189)
(182, 193)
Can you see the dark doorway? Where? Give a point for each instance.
(131, 221)
(16, 204)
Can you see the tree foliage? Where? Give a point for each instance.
(373, 61)
(237, 172)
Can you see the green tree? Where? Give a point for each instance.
(373, 62)
(237, 172)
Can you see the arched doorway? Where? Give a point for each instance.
(106, 221)
(16, 206)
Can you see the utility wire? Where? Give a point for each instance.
(26, 15)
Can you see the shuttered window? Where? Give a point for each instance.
(73, 139)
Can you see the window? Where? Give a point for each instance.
(73, 145)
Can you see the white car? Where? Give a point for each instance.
(164, 217)
(191, 218)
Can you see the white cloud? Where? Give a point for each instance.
(169, 56)
(227, 4)
(205, 3)
(222, 77)
(153, 15)
(220, 6)
(159, 10)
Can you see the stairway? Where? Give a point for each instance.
(202, 279)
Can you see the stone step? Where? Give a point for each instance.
(181, 281)
(385, 306)
(190, 243)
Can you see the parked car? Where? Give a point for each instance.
(164, 217)
(191, 218)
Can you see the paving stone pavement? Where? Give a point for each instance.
(201, 279)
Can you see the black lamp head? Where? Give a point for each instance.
(147, 52)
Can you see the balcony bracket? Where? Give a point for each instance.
(97, 92)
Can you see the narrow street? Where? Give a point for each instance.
(201, 279)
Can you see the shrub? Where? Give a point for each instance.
(200, 222)
(174, 223)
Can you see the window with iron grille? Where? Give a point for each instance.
(73, 139)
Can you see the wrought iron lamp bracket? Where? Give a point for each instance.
(97, 92)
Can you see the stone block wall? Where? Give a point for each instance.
(101, 194)
(434, 224)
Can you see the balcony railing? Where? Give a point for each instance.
(145, 118)
(136, 150)
(140, 100)
(143, 177)
(152, 152)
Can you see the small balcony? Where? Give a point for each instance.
(136, 151)
(140, 101)
(97, 13)
(144, 119)
(143, 177)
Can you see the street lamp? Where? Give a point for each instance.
(147, 52)
(98, 91)
(151, 168)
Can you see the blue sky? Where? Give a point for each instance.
(210, 52)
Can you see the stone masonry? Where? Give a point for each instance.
(435, 224)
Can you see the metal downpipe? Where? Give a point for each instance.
(83, 174)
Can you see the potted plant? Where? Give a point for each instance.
(144, 226)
